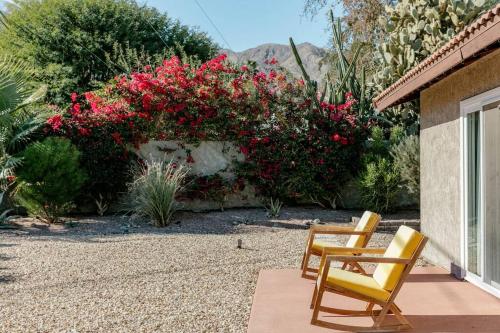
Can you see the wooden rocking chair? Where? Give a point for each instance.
(360, 235)
(380, 289)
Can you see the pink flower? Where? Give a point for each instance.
(74, 96)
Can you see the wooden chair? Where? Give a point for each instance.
(380, 289)
(360, 235)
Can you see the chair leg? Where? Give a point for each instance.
(315, 294)
(303, 260)
(317, 305)
(305, 264)
(397, 313)
(369, 307)
(380, 318)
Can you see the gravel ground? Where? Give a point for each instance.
(109, 274)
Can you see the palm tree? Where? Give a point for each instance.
(18, 123)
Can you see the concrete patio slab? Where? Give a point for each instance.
(431, 299)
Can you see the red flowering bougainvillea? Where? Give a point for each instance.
(292, 149)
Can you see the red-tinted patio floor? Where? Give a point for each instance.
(431, 299)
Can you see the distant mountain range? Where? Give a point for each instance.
(311, 55)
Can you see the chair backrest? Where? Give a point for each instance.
(405, 245)
(368, 222)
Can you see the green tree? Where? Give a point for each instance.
(73, 43)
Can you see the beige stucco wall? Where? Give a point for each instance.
(440, 155)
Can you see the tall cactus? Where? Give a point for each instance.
(311, 86)
(346, 78)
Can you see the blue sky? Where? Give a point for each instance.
(248, 23)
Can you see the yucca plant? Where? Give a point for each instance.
(274, 207)
(152, 193)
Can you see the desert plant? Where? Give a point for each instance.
(152, 194)
(379, 185)
(274, 207)
(406, 157)
(50, 178)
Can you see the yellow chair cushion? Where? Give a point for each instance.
(402, 246)
(319, 244)
(366, 223)
(361, 284)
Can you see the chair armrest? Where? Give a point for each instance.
(352, 250)
(335, 230)
(380, 260)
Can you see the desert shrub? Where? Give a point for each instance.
(153, 192)
(379, 185)
(50, 178)
(406, 157)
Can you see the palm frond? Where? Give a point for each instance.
(13, 87)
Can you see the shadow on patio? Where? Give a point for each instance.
(431, 300)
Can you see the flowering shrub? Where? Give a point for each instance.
(309, 159)
(292, 149)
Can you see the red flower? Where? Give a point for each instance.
(244, 150)
(117, 137)
(344, 141)
(335, 137)
(146, 102)
(55, 122)
(84, 131)
(190, 159)
(74, 96)
(11, 178)
(244, 68)
(181, 120)
(273, 61)
(76, 109)
(266, 140)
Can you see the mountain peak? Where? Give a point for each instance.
(311, 55)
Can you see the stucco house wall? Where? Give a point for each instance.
(440, 155)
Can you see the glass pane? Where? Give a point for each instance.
(492, 196)
(473, 194)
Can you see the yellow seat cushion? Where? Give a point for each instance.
(367, 223)
(320, 243)
(362, 284)
(402, 246)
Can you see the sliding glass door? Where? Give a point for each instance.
(492, 196)
(481, 186)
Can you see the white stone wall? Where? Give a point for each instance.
(210, 157)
